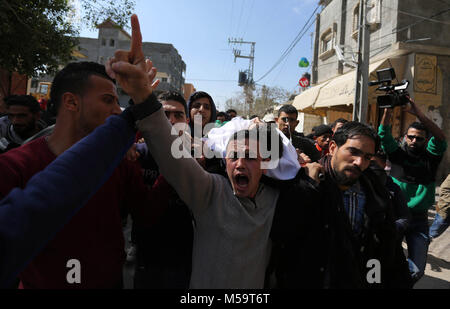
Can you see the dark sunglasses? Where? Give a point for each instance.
(418, 138)
(287, 119)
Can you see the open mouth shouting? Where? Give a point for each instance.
(241, 182)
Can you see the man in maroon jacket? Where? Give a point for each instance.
(89, 250)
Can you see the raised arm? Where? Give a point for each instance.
(388, 142)
(134, 74)
(188, 178)
(30, 217)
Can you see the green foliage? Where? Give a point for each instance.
(267, 98)
(98, 11)
(38, 36)
(35, 35)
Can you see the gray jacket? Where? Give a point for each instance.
(231, 240)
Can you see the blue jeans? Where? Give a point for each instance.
(439, 226)
(417, 240)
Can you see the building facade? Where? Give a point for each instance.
(413, 37)
(188, 90)
(170, 65)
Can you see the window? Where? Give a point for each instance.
(111, 42)
(373, 14)
(164, 79)
(103, 42)
(327, 42)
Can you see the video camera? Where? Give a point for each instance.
(396, 94)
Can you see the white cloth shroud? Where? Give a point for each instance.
(287, 167)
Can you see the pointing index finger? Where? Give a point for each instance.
(136, 53)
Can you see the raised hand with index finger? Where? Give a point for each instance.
(132, 71)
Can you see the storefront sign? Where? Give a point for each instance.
(425, 74)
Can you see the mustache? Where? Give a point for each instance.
(353, 169)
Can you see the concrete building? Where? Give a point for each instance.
(170, 65)
(188, 90)
(413, 37)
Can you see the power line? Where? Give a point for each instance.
(248, 19)
(240, 17)
(210, 80)
(412, 25)
(285, 60)
(231, 18)
(418, 16)
(292, 45)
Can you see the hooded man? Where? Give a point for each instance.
(201, 104)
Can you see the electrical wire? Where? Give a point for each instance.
(292, 45)
(285, 60)
(248, 19)
(412, 24)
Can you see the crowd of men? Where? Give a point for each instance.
(201, 222)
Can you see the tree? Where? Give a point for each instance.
(37, 36)
(118, 11)
(267, 98)
(237, 103)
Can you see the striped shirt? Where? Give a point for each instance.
(354, 203)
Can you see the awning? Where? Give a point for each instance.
(78, 54)
(338, 93)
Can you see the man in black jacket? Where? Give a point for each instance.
(287, 122)
(342, 234)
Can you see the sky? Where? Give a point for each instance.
(200, 29)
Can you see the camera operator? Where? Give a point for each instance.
(414, 166)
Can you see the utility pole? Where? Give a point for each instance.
(246, 77)
(360, 106)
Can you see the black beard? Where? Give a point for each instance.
(343, 180)
(25, 132)
(415, 150)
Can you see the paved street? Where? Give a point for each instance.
(437, 272)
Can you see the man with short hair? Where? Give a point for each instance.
(164, 252)
(287, 122)
(413, 167)
(352, 224)
(221, 119)
(31, 216)
(233, 212)
(231, 114)
(322, 136)
(22, 121)
(85, 96)
(337, 124)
